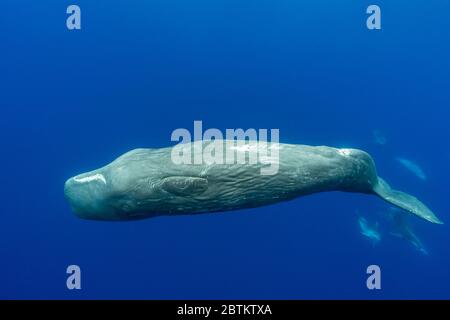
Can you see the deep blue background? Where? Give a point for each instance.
(72, 101)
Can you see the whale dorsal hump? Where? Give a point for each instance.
(184, 186)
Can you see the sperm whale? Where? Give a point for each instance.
(145, 183)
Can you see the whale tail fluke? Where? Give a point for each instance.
(404, 201)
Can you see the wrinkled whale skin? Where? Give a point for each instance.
(145, 183)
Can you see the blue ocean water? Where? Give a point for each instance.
(72, 101)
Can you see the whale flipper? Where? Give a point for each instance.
(404, 201)
(185, 186)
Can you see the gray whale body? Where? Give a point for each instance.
(145, 183)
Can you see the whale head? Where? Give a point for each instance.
(128, 188)
(88, 196)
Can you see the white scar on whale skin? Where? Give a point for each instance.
(345, 152)
(94, 177)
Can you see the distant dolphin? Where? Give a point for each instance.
(145, 183)
(369, 231)
(413, 167)
(379, 137)
(403, 230)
